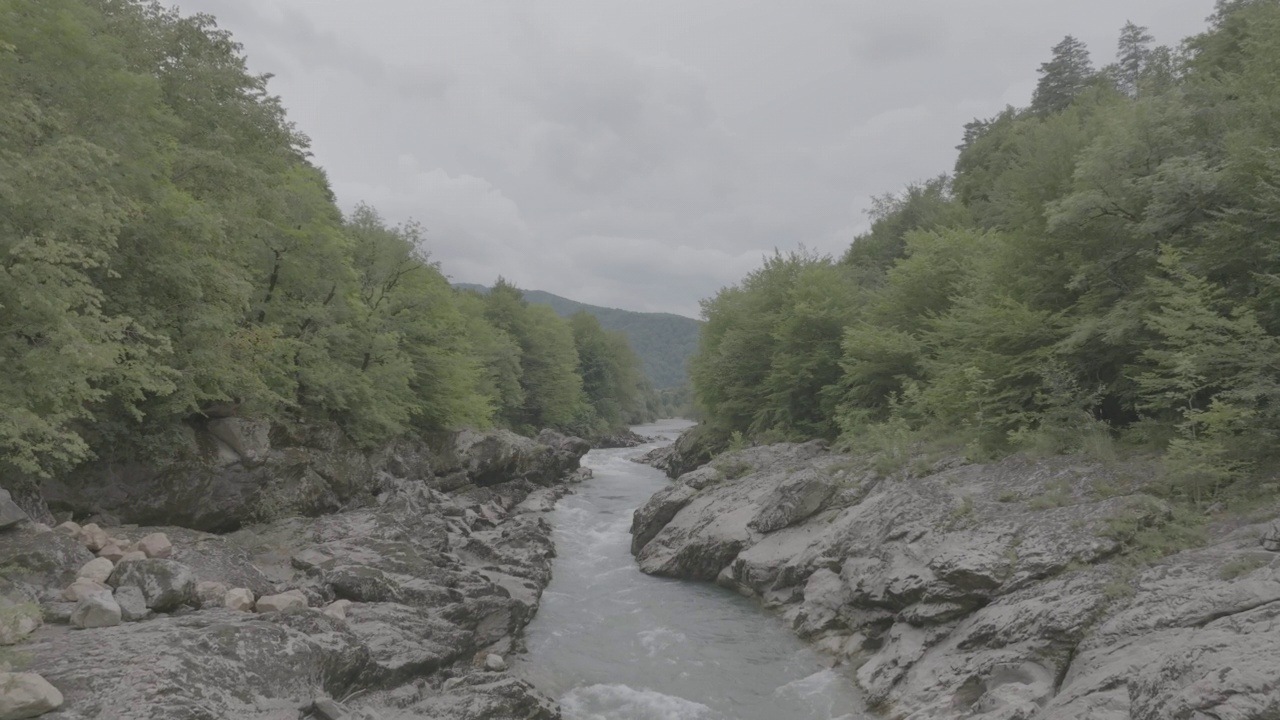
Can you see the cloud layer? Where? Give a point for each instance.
(645, 154)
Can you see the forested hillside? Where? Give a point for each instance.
(1100, 272)
(168, 253)
(663, 341)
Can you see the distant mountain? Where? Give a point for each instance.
(664, 342)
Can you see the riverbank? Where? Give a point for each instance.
(1020, 589)
(406, 602)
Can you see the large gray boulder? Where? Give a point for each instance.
(166, 585)
(500, 456)
(10, 513)
(96, 611)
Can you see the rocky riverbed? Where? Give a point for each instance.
(401, 600)
(1006, 591)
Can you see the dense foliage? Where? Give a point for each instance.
(168, 253)
(1103, 266)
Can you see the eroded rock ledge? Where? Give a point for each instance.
(983, 591)
(402, 604)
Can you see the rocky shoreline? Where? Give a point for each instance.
(1004, 591)
(402, 602)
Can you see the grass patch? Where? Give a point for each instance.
(963, 515)
(1154, 530)
(1057, 494)
(731, 469)
(1243, 566)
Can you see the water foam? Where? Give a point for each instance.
(623, 702)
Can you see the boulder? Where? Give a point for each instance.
(98, 570)
(96, 611)
(68, 528)
(155, 545)
(337, 609)
(694, 448)
(282, 601)
(112, 551)
(132, 555)
(18, 620)
(94, 537)
(211, 594)
(83, 588)
(500, 456)
(133, 605)
(240, 599)
(240, 439)
(1270, 540)
(494, 663)
(10, 513)
(166, 584)
(26, 695)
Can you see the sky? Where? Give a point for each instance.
(643, 154)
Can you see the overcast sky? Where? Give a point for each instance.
(645, 153)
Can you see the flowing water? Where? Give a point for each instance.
(613, 643)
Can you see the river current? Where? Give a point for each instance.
(614, 644)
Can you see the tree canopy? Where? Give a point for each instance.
(1101, 266)
(169, 253)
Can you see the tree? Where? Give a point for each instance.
(1132, 55)
(1063, 78)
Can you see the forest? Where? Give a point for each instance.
(169, 252)
(1099, 273)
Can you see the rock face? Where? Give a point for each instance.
(397, 603)
(619, 439)
(239, 471)
(693, 449)
(982, 591)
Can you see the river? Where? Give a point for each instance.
(615, 644)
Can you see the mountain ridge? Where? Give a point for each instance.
(663, 341)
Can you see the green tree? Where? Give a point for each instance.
(1069, 73)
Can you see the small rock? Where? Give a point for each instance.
(132, 555)
(83, 588)
(166, 584)
(26, 695)
(96, 611)
(112, 551)
(97, 570)
(17, 621)
(133, 605)
(68, 528)
(40, 527)
(327, 709)
(239, 599)
(1271, 541)
(210, 594)
(495, 663)
(94, 537)
(156, 545)
(283, 601)
(10, 513)
(337, 609)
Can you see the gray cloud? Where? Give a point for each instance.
(643, 155)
